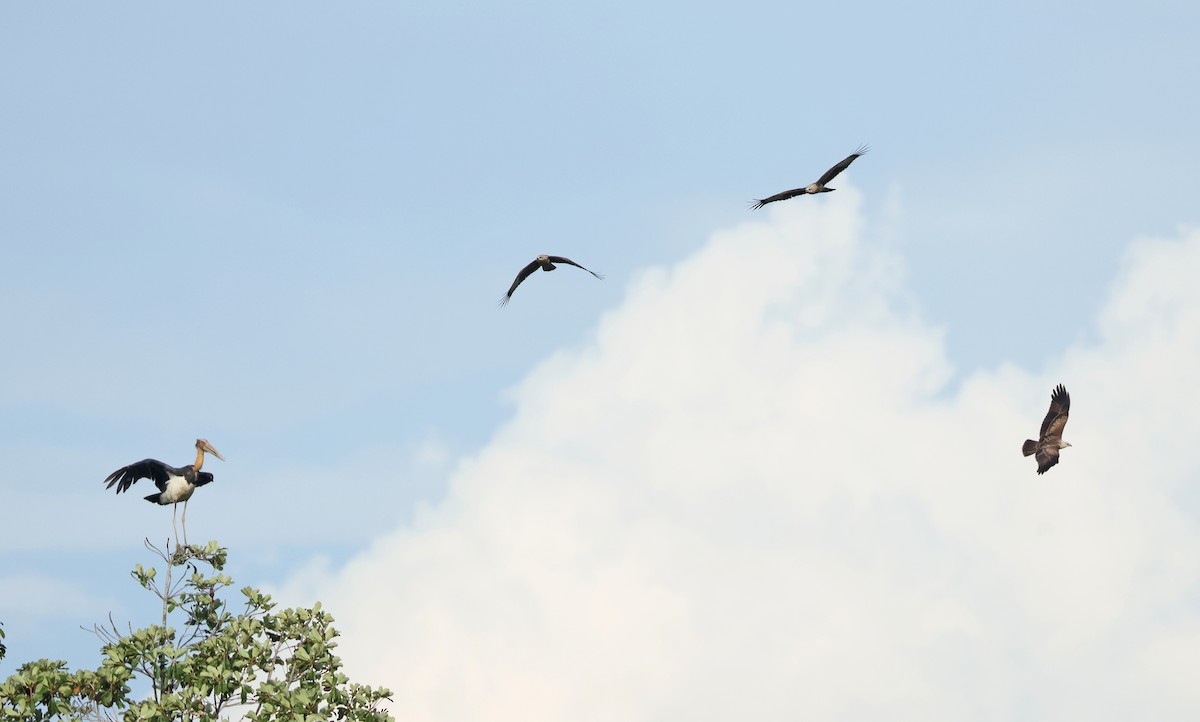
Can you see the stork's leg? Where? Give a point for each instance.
(174, 509)
(185, 501)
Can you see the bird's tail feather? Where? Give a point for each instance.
(1029, 447)
(153, 498)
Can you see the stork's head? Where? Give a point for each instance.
(543, 258)
(203, 446)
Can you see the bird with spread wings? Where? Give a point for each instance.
(174, 484)
(546, 263)
(812, 188)
(1050, 442)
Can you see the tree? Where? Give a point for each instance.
(258, 663)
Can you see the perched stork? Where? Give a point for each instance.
(1050, 439)
(174, 485)
(546, 263)
(811, 188)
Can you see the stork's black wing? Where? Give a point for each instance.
(777, 197)
(832, 172)
(533, 266)
(153, 469)
(1056, 417)
(569, 262)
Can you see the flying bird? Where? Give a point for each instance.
(1050, 440)
(546, 263)
(174, 485)
(811, 188)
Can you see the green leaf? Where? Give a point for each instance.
(279, 658)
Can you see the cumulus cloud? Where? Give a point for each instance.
(754, 494)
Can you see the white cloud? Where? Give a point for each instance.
(751, 496)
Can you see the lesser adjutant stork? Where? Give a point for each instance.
(174, 485)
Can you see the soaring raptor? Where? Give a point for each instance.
(546, 263)
(1050, 440)
(811, 188)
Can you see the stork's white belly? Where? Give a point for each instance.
(178, 489)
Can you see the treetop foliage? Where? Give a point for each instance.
(202, 661)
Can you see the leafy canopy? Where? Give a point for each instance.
(260, 663)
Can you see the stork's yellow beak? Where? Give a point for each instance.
(209, 448)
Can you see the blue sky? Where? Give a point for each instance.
(285, 228)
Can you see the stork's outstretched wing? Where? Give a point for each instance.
(533, 266)
(153, 469)
(1056, 417)
(569, 262)
(833, 172)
